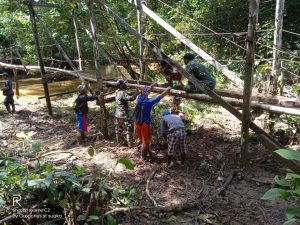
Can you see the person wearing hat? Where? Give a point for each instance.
(122, 118)
(172, 126)
(198, 71)
(142, 116)
(8, 93)
(81, 109)
(170, 74)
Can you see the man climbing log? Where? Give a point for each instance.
(170, 74)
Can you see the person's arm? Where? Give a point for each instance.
(163, 128)
(166, 92)
(152, 86)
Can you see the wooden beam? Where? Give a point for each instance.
(191, 78)
(221, 68)
(16, 80)
(77, 40)
(248, 80)
(96, 50)
(277, 44)
(40, 58)
(141, 46)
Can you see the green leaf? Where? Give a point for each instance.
(290, 222)
(272, 194)
(288, 154)
(92, 218)
(81, 217)
(282, 182)
(292, 176)
(111, 220)
(36, 145)
(127, 163)
(292, 212)
(64, 204)
(91, 151)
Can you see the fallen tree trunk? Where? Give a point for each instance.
(205, 98)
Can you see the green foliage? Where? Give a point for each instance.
(59, 188)
(288, 187)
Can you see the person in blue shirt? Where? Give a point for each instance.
(142, 128)
(8, 93)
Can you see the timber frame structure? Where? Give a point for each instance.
(211, 96)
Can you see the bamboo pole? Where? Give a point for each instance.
(37, 45)
(248, 80)
(277, 44)
(140, 31)
(77, 41)
(103, 121)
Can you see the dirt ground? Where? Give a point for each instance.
(212, 159)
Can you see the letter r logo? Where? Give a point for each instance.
(16, 199)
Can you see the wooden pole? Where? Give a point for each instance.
(103, 121)
(16, 81)
(277, 44)
(248, 80)
(282, 79)
(77, 41)
(221, 68)
(140, 31)
(41, 63)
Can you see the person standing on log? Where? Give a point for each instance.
(198, 71)
(122, 119)
(81, 110)
(142, 116)
(172, 127)
(8, 93)
(170, 74)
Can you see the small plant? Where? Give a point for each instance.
(288, 187)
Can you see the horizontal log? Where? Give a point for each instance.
(59, 94)
(205, 98)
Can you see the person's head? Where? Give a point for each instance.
(176, 100)
(121, 84)
(145, 91)
(188, 57)
(4, 76)
(82, 89)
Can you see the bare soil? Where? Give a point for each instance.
(213, 156)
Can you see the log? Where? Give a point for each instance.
(59, 94)
(205, 98)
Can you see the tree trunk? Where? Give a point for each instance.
(77, 41)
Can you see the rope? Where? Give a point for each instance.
(290, 32)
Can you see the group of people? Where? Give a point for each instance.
(172, 122)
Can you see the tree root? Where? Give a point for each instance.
(147, 188)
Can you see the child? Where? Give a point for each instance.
(123, 120)
(8, 93)
(81, 110)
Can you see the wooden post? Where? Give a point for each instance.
(77, 41)
(41, 63)
(96, 51)
(282, 80)
(277, 44)
(16, 81)
(140, 31)
(248, 81)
